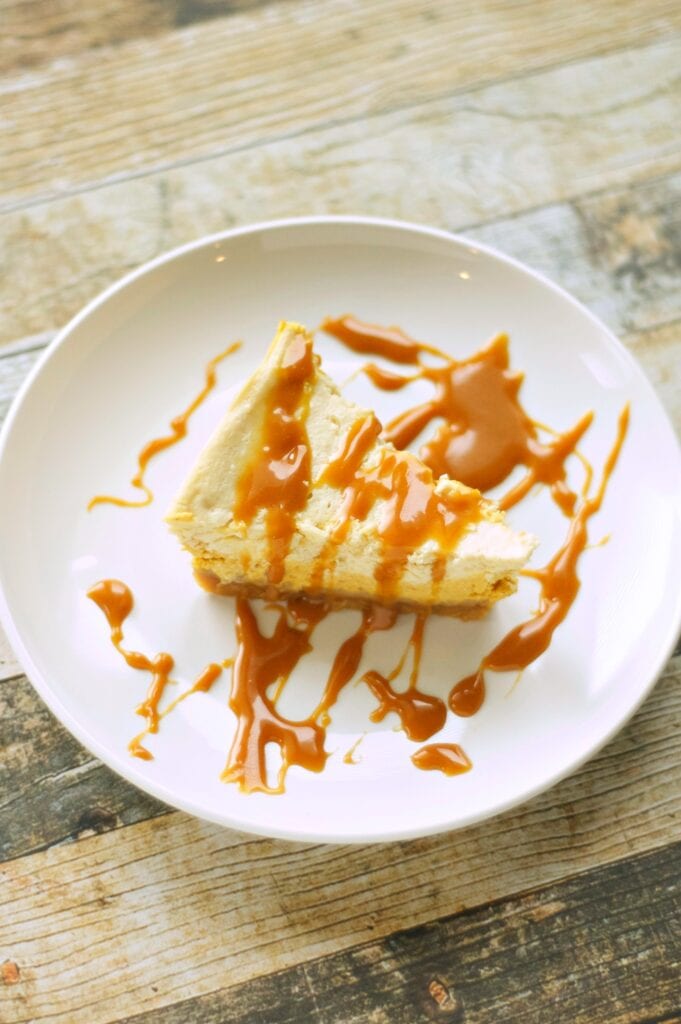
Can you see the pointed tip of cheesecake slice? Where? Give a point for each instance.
(297, 494)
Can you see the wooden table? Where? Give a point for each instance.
(549, 128)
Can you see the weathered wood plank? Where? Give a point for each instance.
(618, 252)
(245, 906)
(41, 31)
(51, 789)
(602, 948)
(279, 71)
(603, 123)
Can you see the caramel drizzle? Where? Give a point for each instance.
(473, 446)
(349, 755)
(115, 599)
(421, 715)
(486, 433)
(263, 662)
(178, 426)
(277, 476)
(443, 757)
(559, 587)
(412, 513)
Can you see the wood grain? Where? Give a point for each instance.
(604, 123)
(279, 71)
(246, 906)
(557, 954)
(52, 790)
(42, 31)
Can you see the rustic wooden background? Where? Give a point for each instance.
(546, 127)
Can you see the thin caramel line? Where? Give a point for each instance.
(154, 447)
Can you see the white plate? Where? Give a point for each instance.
(133, 359)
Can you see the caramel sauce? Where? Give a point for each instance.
(349, 755)
(261, 662)
(559, 587)
(486, 433)
(443, 757)
(202, 684)
(374, 620)
(370, 339)
(412, 511)
(277, 476)
(115, 599)
(178, 426)
(421, 715)
(483, 435)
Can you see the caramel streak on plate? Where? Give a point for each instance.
(421, 715)
(116, 601)
(448, 758)
(260, 662)
(559, 588)
(178, 425)
(349, 755)
(201, 685)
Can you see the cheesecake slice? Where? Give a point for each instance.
(298, 494)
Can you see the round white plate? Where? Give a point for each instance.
(135, 357)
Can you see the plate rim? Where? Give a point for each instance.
(156, 788)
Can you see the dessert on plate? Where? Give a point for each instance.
(297, 493)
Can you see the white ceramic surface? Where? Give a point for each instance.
(135, 356)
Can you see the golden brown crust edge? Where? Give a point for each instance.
(210, 581)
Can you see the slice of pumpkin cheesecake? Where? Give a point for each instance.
(298, 494)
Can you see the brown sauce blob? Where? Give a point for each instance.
(559, 584)
(371, 339)
(277, 475)
(178, 426)
(442, 757)
(485, 433)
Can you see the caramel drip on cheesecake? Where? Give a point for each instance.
(412, 511)
(485, 433)
(559, 584)
(115, 599)
(178, 426)
(448, 758)
(277, 476)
